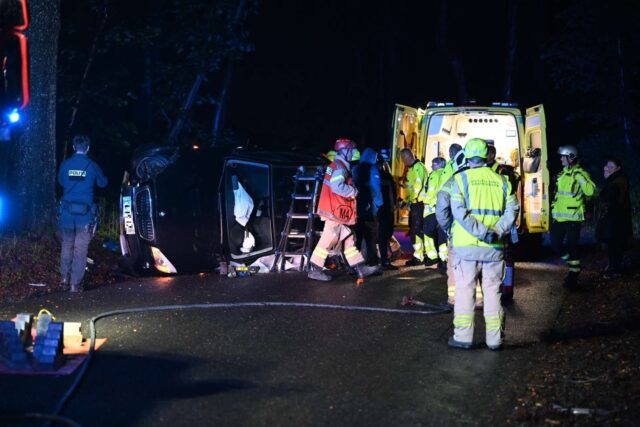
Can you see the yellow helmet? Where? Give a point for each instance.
(475, 147)
(356, 155)
(330, 155)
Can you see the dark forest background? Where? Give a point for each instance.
(284, 74)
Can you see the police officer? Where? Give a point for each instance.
(484, 209)
(415, 195)
(77, 175)
(337, 208)
(574, 185)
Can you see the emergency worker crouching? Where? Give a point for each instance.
(574, 185)
(337, 208)
(78, 214)
(484, 209)
(415, 197)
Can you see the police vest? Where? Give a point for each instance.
(573, 185)
(485, 194)
(332, 206)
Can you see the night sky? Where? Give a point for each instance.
(322, 69)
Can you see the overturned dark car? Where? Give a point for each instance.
(185, 209)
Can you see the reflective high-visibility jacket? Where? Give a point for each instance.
(453, 166)
(484, 210)
(338, 195)
(434, 184)
(417, 176)
(573, 185)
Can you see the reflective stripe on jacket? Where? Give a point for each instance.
(482, 205)
(338, 195)
(417, 176)
(574, 184)
(434, 183)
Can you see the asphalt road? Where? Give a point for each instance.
(266, 366)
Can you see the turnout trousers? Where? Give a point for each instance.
(333, 234)
(466, 275)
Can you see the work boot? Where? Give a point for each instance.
(413, 262)
(366, 270)
(316, 273)
(442, 267)
(76, 287)
(388, 267)
(431, 263)
(571, 281)
(459, 344)
(494, 347)
(506, 299)
(64, 284)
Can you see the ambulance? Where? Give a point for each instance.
(519, 137)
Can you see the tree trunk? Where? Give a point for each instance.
(511, 50)
(33, 155)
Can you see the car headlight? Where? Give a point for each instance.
(161, 262)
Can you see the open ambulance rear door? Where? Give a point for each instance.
(407, 124)
(535, 172)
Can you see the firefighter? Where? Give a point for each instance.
(77, 175)
(437, 237)
(513, 177)
(573, 186)
(484, 209)
(337, 208)
(415, 196)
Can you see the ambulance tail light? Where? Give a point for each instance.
(161, 262)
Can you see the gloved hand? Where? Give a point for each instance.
(491, 237)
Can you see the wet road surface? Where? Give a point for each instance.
(282, 365)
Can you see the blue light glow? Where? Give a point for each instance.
(14, 116)
(1, 209)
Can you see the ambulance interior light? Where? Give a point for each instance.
(504, 104)
(432, 104)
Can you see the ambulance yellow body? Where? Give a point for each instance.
(519, 138)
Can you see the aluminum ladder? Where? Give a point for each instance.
(301, 214)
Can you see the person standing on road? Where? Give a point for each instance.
(337, 207)
(456, 164)
(614, 228)
(77, 175)
(484, 209)
(387, 210)
(438, 238)
(366, 178)
(415, 196)
(507, 286)
(573, 186)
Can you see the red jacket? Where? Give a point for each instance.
(338, 196)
